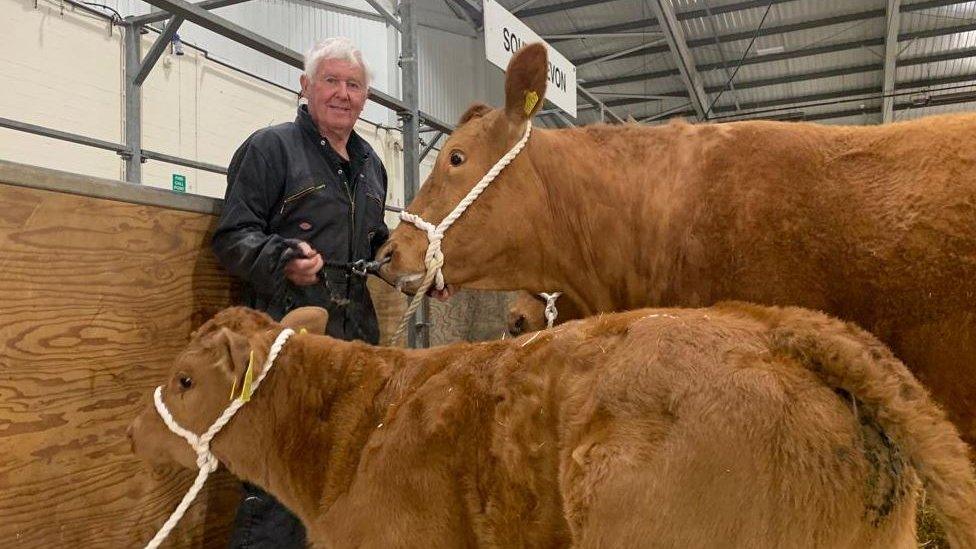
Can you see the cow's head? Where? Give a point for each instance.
(491, 232)
(201, 379)
(528, 313)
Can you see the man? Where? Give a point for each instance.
(304, 201)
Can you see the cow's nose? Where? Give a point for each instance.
(516, 326)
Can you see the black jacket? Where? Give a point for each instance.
(285, 184)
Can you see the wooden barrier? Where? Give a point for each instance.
(97, 296)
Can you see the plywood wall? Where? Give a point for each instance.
(96, 297)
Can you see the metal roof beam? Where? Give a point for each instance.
(680, 109)
(865, 94)
(892, 26)
(387, 16)
(469, 11)
(675, 36)
(523, 10)
(597, 103)
(768, 31)
(771, 31)
(575, 35)
(621, 53)
(157, 49)
(686, 15)
(158, 16)
(806, 52)
(843, 71)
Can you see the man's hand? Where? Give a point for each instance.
(301, 271)
(442, 295)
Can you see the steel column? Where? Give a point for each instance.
(133, 105)
(893, 24)
(418, 335)
(157, 49)
(682, 57)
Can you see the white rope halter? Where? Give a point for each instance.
(206, 461)
(434, 258)
(551, 311)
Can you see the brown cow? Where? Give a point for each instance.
(875, 225)
(734, 426)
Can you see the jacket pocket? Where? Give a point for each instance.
(375, 198)
(299, 196)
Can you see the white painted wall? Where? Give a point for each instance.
(63, 70)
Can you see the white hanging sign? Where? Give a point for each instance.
(505, 34)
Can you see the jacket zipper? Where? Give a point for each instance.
(299, 195)
(352, 215)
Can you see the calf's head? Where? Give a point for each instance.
(491, 232)
(204, 376)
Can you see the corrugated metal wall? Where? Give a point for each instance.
(297, 25)
(447, 73)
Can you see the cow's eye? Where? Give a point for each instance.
(457, 158)
(186, 381)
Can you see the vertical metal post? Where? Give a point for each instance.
(418, 335)
(893, 25)
(133, 105)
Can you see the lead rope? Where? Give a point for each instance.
(434, 258)
(206, 461)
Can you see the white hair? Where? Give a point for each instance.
(340, 48)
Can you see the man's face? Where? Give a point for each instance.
(336, 95)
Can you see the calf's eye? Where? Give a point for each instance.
(186, 381)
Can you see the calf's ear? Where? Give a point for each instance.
(238, 349)
(525, 82)
(312, 319)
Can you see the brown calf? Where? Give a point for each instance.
(732, 426)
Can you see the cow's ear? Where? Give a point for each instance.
(525, 82)
(312, 319)
(238, 349)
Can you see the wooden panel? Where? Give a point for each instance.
(96, 298)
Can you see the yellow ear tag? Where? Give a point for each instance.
(233, 390)
(302, 331)
(246, 389)
(531, 98)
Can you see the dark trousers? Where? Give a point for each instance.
(262, 522)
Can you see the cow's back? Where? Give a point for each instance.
(876, 225)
